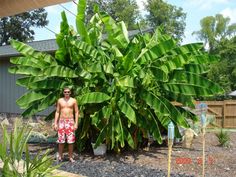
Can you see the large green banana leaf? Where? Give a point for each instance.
(28, 61)
(159, 73)
(80, 19)
(51, 83)
(28, 51)
(163, 108)
(197, 80)
(156, 51)
(86, 48)
(154, 128)
(125, 81)
(127, 110)
(30, 97)
(93, 97)
(193, 49)
(196, 68)
(26, 81)
(26, 70)
(117, 32)
(59, 71)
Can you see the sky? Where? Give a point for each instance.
(195, 10)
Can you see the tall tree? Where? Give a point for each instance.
(19, 27)
(119, 10)
(224, 72)
(220, 36)
(171, 17)
(214, 30)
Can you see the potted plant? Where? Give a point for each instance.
(98, 147)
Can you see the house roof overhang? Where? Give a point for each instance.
(13, 7)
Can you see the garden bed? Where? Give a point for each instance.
(220, 161)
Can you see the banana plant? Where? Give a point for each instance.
(125, 85)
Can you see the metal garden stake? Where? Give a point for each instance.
(171, 134)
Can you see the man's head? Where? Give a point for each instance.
(66, 91)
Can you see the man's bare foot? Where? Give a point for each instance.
(71, 160)
(60, 159)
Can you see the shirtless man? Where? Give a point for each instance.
(65, 124)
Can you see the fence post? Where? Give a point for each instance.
(224, 112)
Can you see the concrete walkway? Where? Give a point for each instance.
(219, 129)
(66, 174)
(55, 172)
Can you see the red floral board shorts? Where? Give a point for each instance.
(66, 131)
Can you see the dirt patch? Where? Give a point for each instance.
(219, 161)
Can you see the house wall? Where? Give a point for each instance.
(10, 92)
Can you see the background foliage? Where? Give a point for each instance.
(171, 17)
(119, 10)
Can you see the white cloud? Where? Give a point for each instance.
(207, 4)
(231, 13)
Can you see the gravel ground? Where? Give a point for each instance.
(106, 168)
(220, 161)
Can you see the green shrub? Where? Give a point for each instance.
(223, 138)
(36, 137)
(16, 158)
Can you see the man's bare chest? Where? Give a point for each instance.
(66, 104)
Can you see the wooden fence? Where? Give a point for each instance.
(224, 111)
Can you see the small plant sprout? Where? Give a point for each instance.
(223, 138)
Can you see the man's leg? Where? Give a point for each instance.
(70, 139)
(61, 138)
(70, 136)
(60, 149)
(70, 150)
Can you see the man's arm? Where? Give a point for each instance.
(76, 109)
(57, 114)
